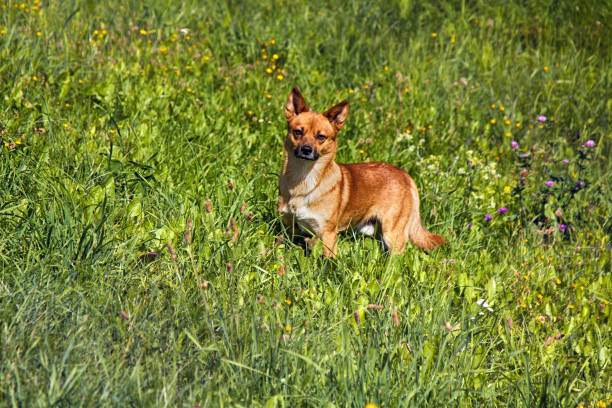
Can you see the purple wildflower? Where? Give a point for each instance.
(590, 143)
(524, 155)
(580, 184)
(514, 145)
(488, 217)
(502, 210)
(541, 118)
(565, 161)
(562, 227)
(550, 183)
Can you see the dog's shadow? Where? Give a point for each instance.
(306, 240)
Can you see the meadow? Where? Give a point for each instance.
(142, 259)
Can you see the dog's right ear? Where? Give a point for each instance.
(295, 104)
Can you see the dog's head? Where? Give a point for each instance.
(312, 135)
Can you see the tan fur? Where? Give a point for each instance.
(326, 197)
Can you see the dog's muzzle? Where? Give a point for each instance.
(306, 152)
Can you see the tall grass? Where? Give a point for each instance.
(125, 124)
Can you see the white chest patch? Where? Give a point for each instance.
(304, 216)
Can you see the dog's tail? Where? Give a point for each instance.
(415, 229)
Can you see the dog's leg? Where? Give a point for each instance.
(329, 242)
(393, 237)
(291, 227)
(288, 221)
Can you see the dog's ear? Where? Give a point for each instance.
(337, 114)
(295, 104)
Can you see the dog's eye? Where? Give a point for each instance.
(321, 138)
(298, 132)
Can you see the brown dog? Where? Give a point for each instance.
(326, 197)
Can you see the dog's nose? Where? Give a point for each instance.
(305, 149)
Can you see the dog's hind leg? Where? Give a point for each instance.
(393, 235)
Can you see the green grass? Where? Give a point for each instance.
(118, 124)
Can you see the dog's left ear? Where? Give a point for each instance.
(337, 114)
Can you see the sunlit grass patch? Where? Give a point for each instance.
(142, 258)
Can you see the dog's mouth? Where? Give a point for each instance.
(312, 156)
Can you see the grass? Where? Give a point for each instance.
(125, 124)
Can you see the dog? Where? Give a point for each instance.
(326, 197)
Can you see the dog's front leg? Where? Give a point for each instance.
(287, 218)
(288, 221)
(329, 242)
